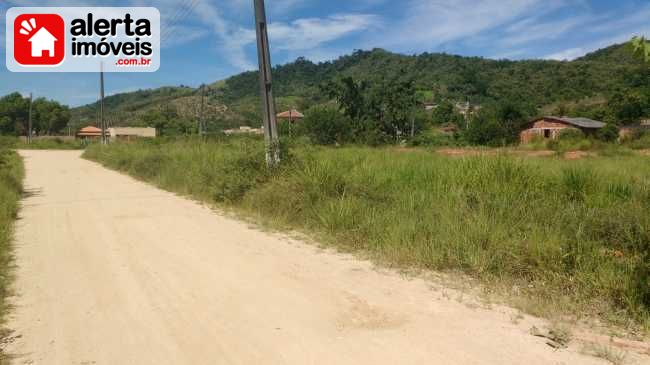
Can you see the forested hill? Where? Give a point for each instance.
(447, 76)
(437, 77)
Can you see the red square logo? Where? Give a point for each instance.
(39, 39)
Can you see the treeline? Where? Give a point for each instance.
(391, 110)
(48, 117)
(609, 85)
(441, 77)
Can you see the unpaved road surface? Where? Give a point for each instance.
(114, 271)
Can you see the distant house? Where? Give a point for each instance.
(42, 41)
(129, 133)
(551, 127)
(243, 130)
(466, 109)
(448, 128)
(89, 132)
(291, 115)
(631, 130)
(430, 106)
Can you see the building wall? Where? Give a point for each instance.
(630, 132)
(538, 128)
(122, 132)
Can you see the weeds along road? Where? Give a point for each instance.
(114, 271)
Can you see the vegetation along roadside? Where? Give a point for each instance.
(569, 237)
(11, 175)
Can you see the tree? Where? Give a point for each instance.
(14, 111)
(626, 108)
(327, 125)
(496, 125)
(49, 117)
(350, 95)
(168, 122)
(641, 47)
(445, 113)
(609, 133)
(381, 111)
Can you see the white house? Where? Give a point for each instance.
(43, 40)
(129, 133)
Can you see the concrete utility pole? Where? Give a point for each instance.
(268, 103)
(29, 123)
(201, 123)
(101, 102)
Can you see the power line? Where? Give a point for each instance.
(101, 102)
(181, 14)
(29, 124)
(201, 121)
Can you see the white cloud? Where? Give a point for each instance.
(310, 33)
(298, 35)
(567, 55)
(533, 31)
(614, 28)
(431, 23)
(231, 37)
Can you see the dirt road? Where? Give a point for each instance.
(113, 271)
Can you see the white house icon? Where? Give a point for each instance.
(43, 40)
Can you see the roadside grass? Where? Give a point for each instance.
(558, 237)
(42, 144)
(11, 175)
(608, 353)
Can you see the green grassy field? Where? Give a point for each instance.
(551, 236)
(11, 174)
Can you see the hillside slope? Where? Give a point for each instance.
(438, 76)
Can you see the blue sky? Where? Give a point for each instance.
(209, 40)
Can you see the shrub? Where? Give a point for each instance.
(327, 125)
(11, 174)
(570, 140)
(433, 137)
(571, 134)
(609, 133)
(8, 142)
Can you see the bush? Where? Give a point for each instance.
(326, 125)
(7, 142)
(11, 174)
(570, 140)
(609, 133)
(496, 125)
(434, 138)
(571, 134)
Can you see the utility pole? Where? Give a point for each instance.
(29, 123)
(268, 103)
(201, 123)
(101, 102)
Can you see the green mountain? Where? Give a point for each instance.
(438, 76)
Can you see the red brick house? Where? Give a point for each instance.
(551, 127)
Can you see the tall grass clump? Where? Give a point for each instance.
(221, 171)
(11, 174)
(44, 143)
(52, 144)
(573, 235)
